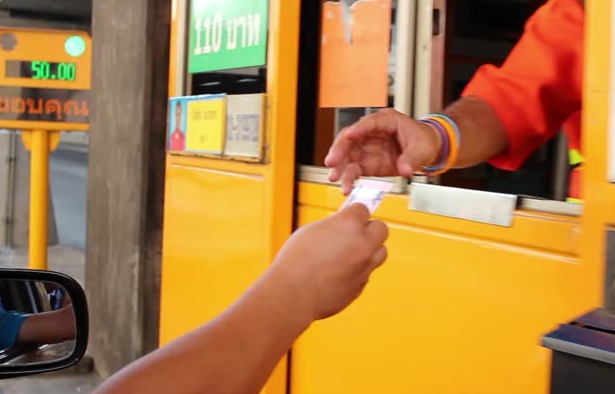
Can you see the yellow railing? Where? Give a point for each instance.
(40, 143)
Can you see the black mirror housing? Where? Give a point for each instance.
(78, 300)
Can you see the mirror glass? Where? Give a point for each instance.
(37, 322)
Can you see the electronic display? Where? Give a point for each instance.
(41, 70)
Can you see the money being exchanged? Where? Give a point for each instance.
(369, 193)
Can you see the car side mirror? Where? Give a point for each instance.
(43, 322)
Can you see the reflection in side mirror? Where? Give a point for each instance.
(37, 322)
(43, 322)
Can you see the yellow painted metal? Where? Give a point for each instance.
(213, 246)
(564, 232)
(54, 140)
(39, 202)
(225, 220)
(459, 307)
(282, 81)
(598, 194)
(39, 143)
(173, 48)
(178, 49)
(218, 165)
(51, 126)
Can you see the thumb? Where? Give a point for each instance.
(355, 211)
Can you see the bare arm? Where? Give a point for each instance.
(316, 275)
(481, 129)
(48, 327)
(233, 354)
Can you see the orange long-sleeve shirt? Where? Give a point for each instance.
(537, 90)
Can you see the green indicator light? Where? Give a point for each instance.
(74, 46)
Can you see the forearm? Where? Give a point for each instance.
(48, 327)
(233, 354)
(482, 134)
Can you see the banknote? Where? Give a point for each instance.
(369, 193)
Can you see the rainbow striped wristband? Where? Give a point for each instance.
(448, 130)
(450, 122)
(444, 151)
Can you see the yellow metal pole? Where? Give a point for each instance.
(39, 181)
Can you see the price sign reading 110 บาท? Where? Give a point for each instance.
(45, 78)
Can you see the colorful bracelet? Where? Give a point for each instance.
(451, 122)
(451, 150)
(440, 162)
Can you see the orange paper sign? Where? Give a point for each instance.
(354, 54)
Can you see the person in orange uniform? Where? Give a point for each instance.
(178, 139)
(505, 113)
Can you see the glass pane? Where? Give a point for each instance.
(318, 126)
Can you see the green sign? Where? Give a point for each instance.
(226, 34)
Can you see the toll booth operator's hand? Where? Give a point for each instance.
(320, 270)
(389, 143)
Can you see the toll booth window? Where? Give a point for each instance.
(484, 32)
(476, 32)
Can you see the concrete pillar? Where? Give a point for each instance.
(126, 178)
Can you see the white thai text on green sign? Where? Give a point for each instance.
(227, 34)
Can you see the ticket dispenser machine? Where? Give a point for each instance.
(583, 357)
(229, 169)
(583, 350)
